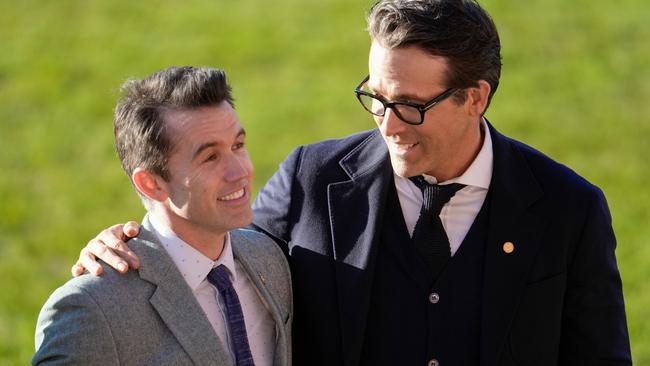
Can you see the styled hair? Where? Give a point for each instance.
(141, 138)
(459, 30)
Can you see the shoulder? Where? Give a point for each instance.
(338, 145)
(330, 152)
(254, 244)
(553, 177)
(76, 299)
(305, 174)
(96, 290)
(73, 326)
(317, 164)
(108, 289)
(261, 253)
(74, 293)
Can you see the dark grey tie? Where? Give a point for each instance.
(429, 236)
(237, 328)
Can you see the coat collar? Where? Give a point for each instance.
(178, 308)
(356, 208)
(247, 253)
(175, 302)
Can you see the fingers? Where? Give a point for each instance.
(106, 252)
(86, 261)
(112, 238)
(131, 229)
(109, 247)
(77, 269)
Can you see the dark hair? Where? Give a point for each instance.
(459, 30)
(140, 133)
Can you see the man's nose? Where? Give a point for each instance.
(391, 124)
(237, 168)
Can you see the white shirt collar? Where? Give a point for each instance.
(193, 265)
(479, 173)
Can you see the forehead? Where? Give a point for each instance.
(405, 71)
(187, 127)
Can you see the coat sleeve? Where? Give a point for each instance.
(72, 330)
(594, 330)
(272, 208)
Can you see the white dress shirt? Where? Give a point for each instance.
(459, 213)
(194, 266)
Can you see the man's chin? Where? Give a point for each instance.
(245, 219)
(403, 168)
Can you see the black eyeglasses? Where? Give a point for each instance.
(411, 113)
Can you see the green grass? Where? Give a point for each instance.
(575, 84)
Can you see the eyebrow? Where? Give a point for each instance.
(398, 97)
(407, 98)
(208, 145)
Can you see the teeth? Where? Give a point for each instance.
(233, 196)
(403, 147)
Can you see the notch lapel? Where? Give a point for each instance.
(514, 190)
(246, 252)
(355, 209)
(175, 303)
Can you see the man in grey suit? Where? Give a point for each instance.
(208, 292)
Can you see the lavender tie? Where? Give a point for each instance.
(220, 279)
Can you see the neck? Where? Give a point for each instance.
(464, 158)
(207, 242)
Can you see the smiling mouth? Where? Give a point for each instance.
(233, 196)
(403, 148)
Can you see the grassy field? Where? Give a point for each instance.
(575, 84)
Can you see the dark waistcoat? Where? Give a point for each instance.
(411, 320)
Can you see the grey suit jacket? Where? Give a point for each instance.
(150, 316)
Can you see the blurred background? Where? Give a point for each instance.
(575, 84)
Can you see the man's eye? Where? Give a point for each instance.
(211, 157)
(238, 146)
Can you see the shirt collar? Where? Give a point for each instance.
(193, 265)
(479, 173)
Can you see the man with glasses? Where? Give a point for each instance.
(409, 112)
(433, 239)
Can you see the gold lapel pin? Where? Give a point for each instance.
(508, 247)
(262, 278)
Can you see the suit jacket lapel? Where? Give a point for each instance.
(175, 303)
(355, 209)
(512, 219)
(356, 206)
(245, 252)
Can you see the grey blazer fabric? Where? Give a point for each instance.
(150, 316)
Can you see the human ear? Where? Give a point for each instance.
(477, 98)
(149, 184)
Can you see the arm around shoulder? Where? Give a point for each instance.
(72, 330)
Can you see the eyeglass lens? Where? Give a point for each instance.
(376, 107)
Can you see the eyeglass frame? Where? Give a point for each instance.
(422, 108)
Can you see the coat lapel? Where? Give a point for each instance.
(355, 209)
(246, 253)
(356, 206)
(512, 219)
(175, 303)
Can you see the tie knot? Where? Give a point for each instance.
(435, 196)
(220, 278)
